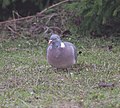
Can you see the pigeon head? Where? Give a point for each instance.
(55, 41)
(54, 38)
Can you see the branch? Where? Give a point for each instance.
(54, 6)
(38, 14)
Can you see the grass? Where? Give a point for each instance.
(27, 81)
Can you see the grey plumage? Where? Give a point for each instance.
(61, 54)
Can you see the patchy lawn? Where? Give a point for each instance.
(27, 81)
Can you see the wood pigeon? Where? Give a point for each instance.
(61, 54)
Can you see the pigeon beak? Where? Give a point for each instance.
(50, 41)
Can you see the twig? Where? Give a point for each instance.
(104, 84)
(52, 28)
(12, 30)
(56, 28)
(14, 19)
(50, 18)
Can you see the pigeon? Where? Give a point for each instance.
(61, 55)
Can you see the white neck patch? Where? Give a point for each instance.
(62, 45)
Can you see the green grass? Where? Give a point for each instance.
(27, 81)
